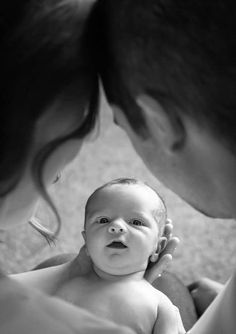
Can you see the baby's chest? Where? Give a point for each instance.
(128, 307)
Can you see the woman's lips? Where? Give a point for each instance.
(117, 244)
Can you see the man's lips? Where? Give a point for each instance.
(117, 244)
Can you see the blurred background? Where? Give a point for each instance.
(207, 246)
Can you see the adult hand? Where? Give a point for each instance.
(26, 310)
(170, 243)
(203, 293)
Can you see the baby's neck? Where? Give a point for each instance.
(139, 275)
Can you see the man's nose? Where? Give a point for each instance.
(117, 227)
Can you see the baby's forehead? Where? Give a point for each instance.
(119, 189)
(140, 191)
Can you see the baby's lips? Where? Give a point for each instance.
(117, 244)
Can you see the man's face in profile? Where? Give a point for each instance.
(201, 171)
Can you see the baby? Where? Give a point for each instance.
(124, 220)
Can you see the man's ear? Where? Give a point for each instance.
(166, 129)
(161, 245)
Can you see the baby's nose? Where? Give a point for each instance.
(116, 228)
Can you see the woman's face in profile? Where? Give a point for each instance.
(59, 120)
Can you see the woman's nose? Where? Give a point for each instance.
(115, 228)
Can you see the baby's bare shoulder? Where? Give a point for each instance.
(72, 286)
(148, 289)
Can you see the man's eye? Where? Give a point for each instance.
(136, 222)
(103, 220)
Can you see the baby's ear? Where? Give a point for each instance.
(161, 245)
(84, 237)
(154, 257)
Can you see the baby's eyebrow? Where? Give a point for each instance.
(90, 215)
(142, 216)
(94, 214)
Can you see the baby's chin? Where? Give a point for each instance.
(118, 273)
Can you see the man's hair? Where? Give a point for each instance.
(182, 53)
(160, 214)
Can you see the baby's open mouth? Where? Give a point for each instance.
(116, 244)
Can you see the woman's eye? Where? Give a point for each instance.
(115, 121)
(57, 178)
(103, 220)
(136, 222)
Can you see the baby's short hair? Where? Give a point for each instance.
(160, 214)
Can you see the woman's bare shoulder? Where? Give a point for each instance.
(17, 304)
(10, 291)
(45, 280)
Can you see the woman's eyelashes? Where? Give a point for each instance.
(57, 178)
(115, 121)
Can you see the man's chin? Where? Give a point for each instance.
(211, 214)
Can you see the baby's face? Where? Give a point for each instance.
(121, 230)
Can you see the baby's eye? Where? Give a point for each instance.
(136, 222)
(103, 220)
